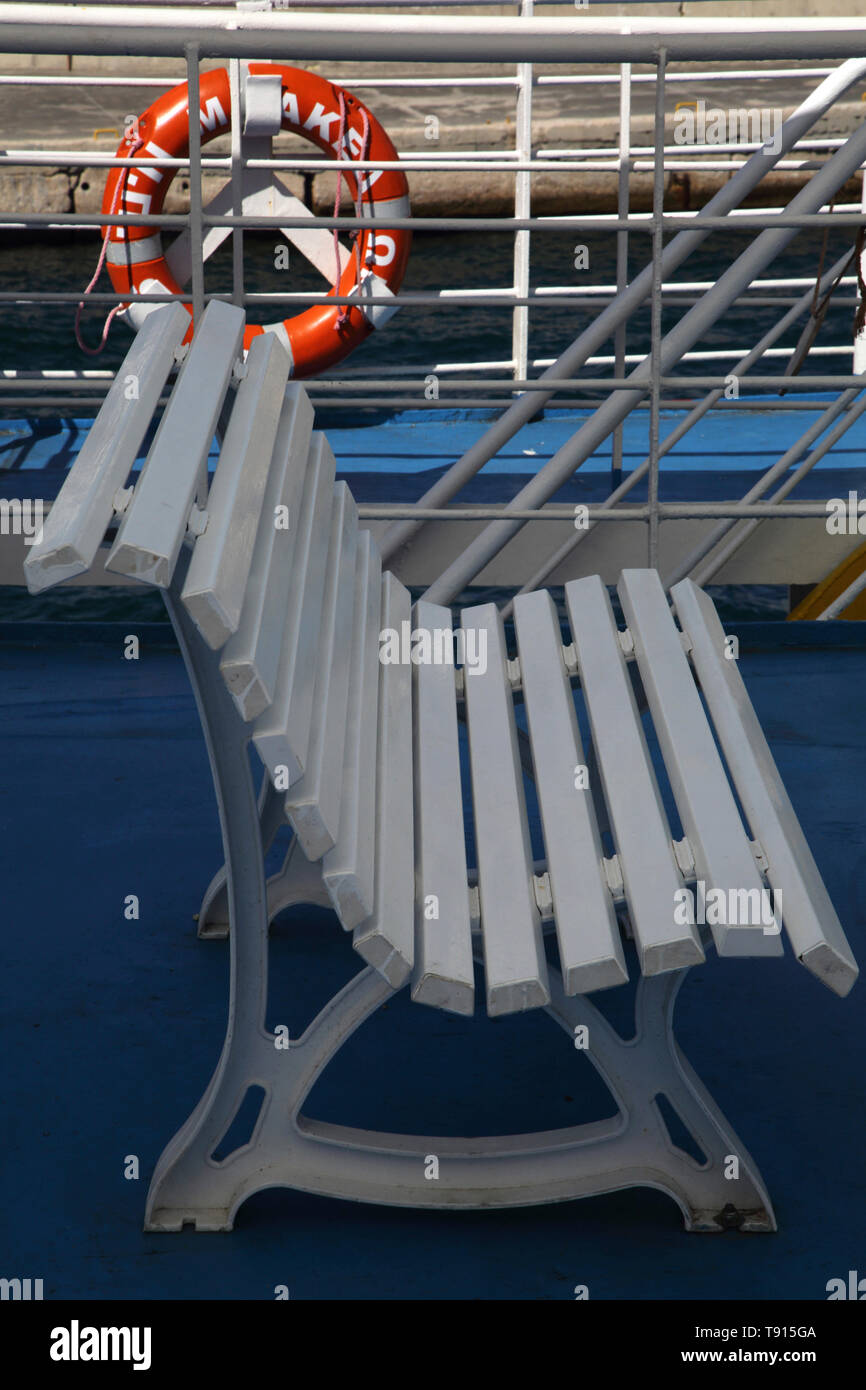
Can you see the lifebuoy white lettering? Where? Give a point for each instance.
(145, 199)
(384, 248)
(290, 108)
(154, 151)
(213, 114)
(320, 120)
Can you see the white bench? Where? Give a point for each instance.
(281, 630)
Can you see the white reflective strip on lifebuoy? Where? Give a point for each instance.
(148, 248)
(388, 207)
(137, 311)
(280, 330)
(373, 287)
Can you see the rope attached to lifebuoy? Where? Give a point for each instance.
(94, 352)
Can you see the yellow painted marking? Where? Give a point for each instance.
(831, 587)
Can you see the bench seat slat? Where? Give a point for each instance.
(349, 868)
(711, 822)
(282, 731)
(76, 524)
(443, 974)
(639, 825)
(152, 531)
(515, 966)
(312, 805)
(387, 939)
(590, 948)
(214, 588)
(249, 659)
(810, 919)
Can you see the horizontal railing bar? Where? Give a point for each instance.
(60, 403)
(636, 222)
(358, 377)
(708, 355)
(692, 166)
(573, 293)
(444, 368)
(73, 80)
(368, 4)
(705, 75)
(336, 4)
(57, 374)
(595, 222)
(667, 511)
(452, 163)
(70, 79)
(793, 282)
(673, 383)
(384, 37)
(421, 299)
(680, 383)
(455, 161)
(97, 297)
(747, 404)
(457, 299)
(824, 142)
(422, 81)
(411, 159)
(397, 369)
(365, 4)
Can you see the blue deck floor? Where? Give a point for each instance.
(396, 458)
(111, 1028)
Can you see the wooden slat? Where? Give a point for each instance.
(724, 860)
(514, 963)
(810, 919)
(250, 658)
(387, 939)
(153, 528)
(349, 868)
(313, 803)
(214, 589)
(77, 522)
(640, 830)
(443, 974)
(590, 949)
(282, 732)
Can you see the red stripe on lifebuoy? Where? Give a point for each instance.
(311, 107)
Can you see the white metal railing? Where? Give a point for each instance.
(520, 295)
(619, 43)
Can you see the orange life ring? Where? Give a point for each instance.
(319, 336)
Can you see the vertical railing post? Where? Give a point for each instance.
(859, 359)
(237, 180)
(196, 226)
(522, 206)
(656, 304)
(623, 203)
